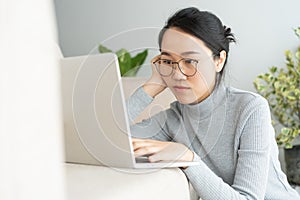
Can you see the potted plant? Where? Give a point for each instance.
(129, 65)
(281, 87)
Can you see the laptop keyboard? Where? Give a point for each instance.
(142, 160)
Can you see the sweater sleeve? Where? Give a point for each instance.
(251, 174)
(151, 128)
(136, 103)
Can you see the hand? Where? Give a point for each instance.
(161, 151)
(155, 84)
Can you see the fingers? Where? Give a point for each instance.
(141, 143)
(161, 150)
(138, 141)
(146, 147)
(155, 58)
(146, 151)
(155, 84)
(154, 70)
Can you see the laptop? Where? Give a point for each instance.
(96, 125)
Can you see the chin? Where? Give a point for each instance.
(185, 100)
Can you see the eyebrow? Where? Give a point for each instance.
(190, 52)
(165, 53)
(183, 54)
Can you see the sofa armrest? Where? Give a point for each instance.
(98, 182)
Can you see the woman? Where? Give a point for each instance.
(228, 131)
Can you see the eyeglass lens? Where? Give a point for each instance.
(187, 66)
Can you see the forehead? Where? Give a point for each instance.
(177, 42)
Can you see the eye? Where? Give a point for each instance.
(167, 62)
(191, 61)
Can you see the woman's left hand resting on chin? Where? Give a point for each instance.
(161, 151)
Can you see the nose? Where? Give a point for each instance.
(178, 75)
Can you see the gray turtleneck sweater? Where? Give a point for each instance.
(232, 138)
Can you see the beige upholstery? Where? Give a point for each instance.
(96, 182)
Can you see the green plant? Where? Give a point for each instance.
(281, 87)
(129, 66)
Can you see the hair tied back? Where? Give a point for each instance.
(228, 35)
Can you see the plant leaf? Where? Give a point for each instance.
(139, 59)
(280, 86)
(103, 49)
(297, 31)
(124, 59)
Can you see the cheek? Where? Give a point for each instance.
(203, 81)
(207, 72)
(206, 77)
(200, 82)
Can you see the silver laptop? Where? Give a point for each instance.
(96, 125)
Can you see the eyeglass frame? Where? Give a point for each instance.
(177, 62)
(174, 68)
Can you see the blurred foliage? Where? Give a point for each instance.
(281, 87)
(129, 66)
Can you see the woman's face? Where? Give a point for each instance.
(176, 45)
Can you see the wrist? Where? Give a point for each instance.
(189, 156)
(153, 88)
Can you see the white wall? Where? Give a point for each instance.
(264, 29)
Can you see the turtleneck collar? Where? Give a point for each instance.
(207, 106)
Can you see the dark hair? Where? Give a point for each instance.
(203, 25)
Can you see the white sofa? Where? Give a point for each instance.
(90, 182)
(97, 182)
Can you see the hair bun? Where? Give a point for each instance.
(228, 34)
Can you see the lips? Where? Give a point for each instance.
(181, 88)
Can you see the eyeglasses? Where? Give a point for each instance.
(187, 67)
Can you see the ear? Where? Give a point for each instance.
(219, 63)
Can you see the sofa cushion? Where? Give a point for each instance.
(98, 182)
